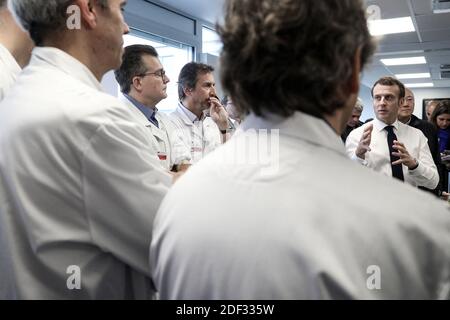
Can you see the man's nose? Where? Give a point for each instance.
(126, 28)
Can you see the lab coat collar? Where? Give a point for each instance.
(380, 125)
(186, 115)
(66, 63)
(301, 126)
(10, 62)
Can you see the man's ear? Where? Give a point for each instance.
(187, 91)
(137, 84)
(88, 12)
(353, 85)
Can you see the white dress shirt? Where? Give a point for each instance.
(9, 70)
(425, 175)
(167, 140)
(201, 135)
(81, 184)
(309, 227)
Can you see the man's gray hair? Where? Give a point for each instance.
(359, 105)
(41, 17)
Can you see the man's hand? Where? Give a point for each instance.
(403, 154)
(176, 175)
(364, 143)
(218, 114)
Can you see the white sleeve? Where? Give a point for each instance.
(350, 146)
(426, 174)
(123, 186)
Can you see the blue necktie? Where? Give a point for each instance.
(397, 170)
(153, 120)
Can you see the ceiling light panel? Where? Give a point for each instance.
(404, 61)
(391, 26)
(413, 75)
(419, 85)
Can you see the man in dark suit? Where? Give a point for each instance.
(354, 121)
(405, 115)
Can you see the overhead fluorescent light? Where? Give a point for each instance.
(404, 61)
(395, 53)
(390, 26)
(419, 85)
(413, 75)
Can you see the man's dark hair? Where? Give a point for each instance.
(282, 56)
(389, 81)
(189, 75)
(133, 65)
(2, 3)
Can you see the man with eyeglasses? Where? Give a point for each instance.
(390, 147)
(143, 83)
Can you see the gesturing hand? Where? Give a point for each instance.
(364, 142)
(404, 156)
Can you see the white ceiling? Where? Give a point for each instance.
(431, 39)
(432, 35)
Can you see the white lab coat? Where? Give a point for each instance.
(9, 70)
(167, 141)
(82, 183)
(302, 222)
(201, 136)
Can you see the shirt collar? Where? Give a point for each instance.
(188, 113)
(380, 125)
(66, 63)
(10, 62)
(149, 113)
(300, 125)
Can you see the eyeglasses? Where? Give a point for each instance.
(160, 73)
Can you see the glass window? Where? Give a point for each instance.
(211, 42)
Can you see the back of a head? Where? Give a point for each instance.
(42, 17)
(3, 4)
(132, 65)
(282, 56)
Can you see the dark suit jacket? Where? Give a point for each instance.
(348, 129)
